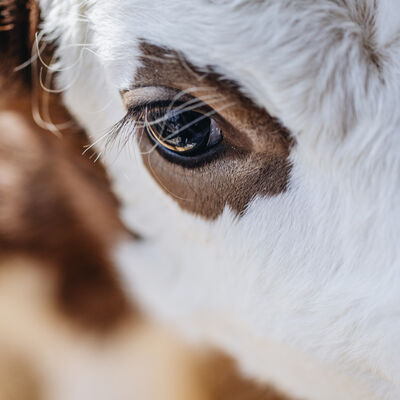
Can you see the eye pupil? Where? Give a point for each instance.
(186, 130)
(183, 132)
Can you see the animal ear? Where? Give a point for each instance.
(18, 25)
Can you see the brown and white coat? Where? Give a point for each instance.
(276, 243)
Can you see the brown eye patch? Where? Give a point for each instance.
(250, 160)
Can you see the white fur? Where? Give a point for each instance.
(304, 289)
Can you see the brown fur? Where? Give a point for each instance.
(18, 22)
(226, 382)
(56, 206)
(255, 150)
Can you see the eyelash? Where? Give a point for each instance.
(134, 123)
(138, 113)
(127, 127)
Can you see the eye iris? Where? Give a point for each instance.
(182, 132)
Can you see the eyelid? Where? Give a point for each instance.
(141, 96)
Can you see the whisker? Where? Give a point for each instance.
(158, 59)
(186, 66)
(34, 56)
(203, 116)
(46, 106)
(55, 91)
(84, 46)
(211, 113)
(195, 104)
(35, 98)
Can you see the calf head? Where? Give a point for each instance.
(255, 148)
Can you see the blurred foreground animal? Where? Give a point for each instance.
(254, 149)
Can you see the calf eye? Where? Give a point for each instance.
(187, 133)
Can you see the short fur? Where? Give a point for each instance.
(303, 289)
